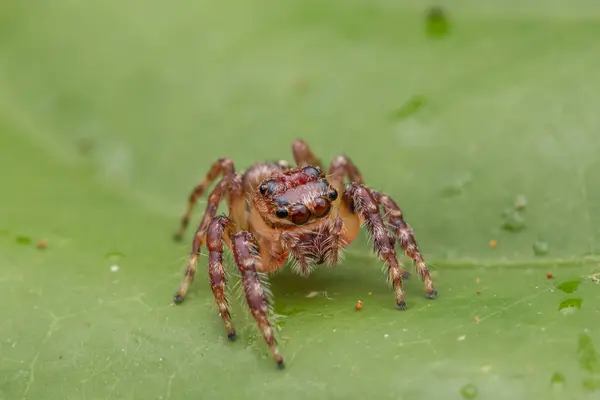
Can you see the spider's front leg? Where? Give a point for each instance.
(221, 166)
(405, 235)
(359, 199)
(233, 185)
(247, 258)
(217, 230)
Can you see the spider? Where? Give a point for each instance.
(278, 211)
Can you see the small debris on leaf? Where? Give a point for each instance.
(370, 293)
(359, 305)
(42, 244)
(461, 338)
(549, 276)
(477, 281)
(476, 319)
(311, 295)
(114, 268)
(493, 243)
(478, 292)
(595, 277)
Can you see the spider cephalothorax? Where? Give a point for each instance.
(278, 212)
(296, 197)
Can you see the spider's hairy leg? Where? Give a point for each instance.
(405, 235)
(246, 256)
(230, 183)
(362, 202)
(221, 166)
(219, 227)
(340, 167)
(303, 155)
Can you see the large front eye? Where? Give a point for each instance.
(332, 194)
(311, 171)
(321, 207)
(300, 215)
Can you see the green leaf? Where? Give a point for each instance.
(111, 112)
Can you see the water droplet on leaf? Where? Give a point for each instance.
(558, 378)
(540, 248)
(437, 23)
(513, 221)
(469, 391)
(23, 240)
(570, 305)
(569, 286)
(412, 106)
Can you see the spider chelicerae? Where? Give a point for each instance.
(276, 212)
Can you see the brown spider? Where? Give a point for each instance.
(277, 211)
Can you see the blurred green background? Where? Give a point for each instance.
(111, 111)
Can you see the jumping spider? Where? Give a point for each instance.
(278, 211)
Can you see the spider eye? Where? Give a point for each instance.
(311, 171)
(267, 187)
(300, 215)
(321, 207)
(332, 194)
(281, 213)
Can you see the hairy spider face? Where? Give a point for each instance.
(296, 197)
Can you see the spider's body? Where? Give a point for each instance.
(278, 212)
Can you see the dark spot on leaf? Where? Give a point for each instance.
(588, 357)
(23, 240)
(569, 286)
(412, 106)
(437, 22)
(573, 302)
(469, 391)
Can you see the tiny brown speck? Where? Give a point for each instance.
(478, 292)
(42, 244)
(549, 276)
(476, 319)
(493, 243)
(359, 305)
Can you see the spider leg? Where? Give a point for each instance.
(217, 230)
(303, 155)
(340, 167)
(231, 183)
(404, 233)
(245, 252)
(361, 201)
(222, 165)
